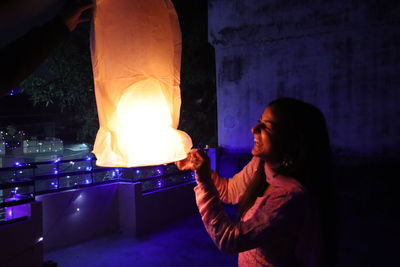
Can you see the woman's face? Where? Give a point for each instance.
(266, 143)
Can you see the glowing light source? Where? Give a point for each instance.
(136, 50)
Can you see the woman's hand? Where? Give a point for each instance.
(197, 161)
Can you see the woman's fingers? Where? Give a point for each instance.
(186, 164)
(195, 160)
(181, 165)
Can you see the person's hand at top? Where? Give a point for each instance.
(77, 13)
(197, 161)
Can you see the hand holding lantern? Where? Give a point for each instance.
(76, 15)
(198, 161)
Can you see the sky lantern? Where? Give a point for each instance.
(136, 55)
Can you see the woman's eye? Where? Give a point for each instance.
(261, 125)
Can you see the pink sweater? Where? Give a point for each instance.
(281, 229)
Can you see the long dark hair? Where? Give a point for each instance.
(305, 155)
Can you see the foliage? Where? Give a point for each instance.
(65, 80)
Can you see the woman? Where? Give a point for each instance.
(282, 192)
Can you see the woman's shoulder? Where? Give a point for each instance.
(287, 185)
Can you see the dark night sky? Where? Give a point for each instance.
(18, 16)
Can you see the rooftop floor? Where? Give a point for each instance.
(365, 240)
(185, 243)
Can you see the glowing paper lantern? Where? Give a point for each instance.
(136, 52)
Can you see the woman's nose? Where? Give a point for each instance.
(256, 128)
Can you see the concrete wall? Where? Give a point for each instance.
(140, 214)
(74, 216)
(20, 243)
(157, 209)
(342, 56)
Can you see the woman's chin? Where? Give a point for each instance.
(255, 152)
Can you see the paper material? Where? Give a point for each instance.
(136, 57)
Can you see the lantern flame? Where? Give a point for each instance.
(143, 131)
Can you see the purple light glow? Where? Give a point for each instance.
(116, 173)
(18, 211)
